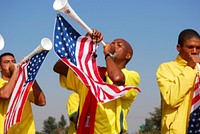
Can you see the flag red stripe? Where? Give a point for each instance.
(24, 98)
(22, 92)
(195, 99)
(81, 75)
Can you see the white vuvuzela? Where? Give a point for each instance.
(1, 42)
(63, 6)
(46, 44)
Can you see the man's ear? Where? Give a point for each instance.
(128, 56)
(1, 68)
(178, 47)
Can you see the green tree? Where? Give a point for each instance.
(38, 132)
(153, 123)
(63, 122)
(49, 125)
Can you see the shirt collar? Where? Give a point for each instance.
(181, 61)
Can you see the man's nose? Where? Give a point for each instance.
(194, 50)
(11, 63)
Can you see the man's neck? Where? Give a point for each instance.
(5, 78)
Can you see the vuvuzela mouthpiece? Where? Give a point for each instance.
(59, 4)
(1, 42)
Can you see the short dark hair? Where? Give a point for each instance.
(5, 54)
(187, 34)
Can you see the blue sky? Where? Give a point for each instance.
(151, 27)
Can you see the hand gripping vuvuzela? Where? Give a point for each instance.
(63, 6)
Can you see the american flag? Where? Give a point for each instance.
(26, 77)
(77, 52)
(194, 120)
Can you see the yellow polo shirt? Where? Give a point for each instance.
(26, 126)
(176, 81)
(107, 119)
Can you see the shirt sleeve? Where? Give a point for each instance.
(132, 79)
(71, 81)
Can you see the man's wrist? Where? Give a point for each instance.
(108, 54)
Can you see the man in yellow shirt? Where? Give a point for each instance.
(110, 117)
(9, 72)
(176, 82)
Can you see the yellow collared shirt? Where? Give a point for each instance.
(176, 81)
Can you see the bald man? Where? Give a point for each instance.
(109, 117)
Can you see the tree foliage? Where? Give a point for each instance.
(153, 123)
(49, 125)
(63, 122)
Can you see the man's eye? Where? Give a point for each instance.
(190, 47)
(197, 47)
